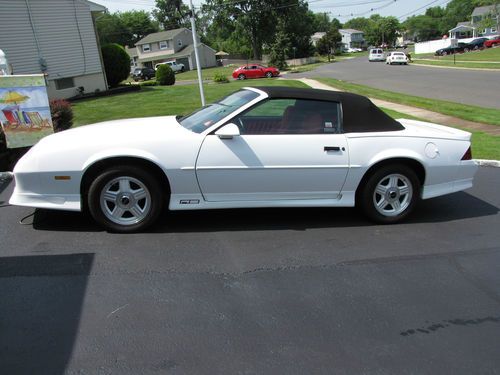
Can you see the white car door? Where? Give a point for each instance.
(287, 149)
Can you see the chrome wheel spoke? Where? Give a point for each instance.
(110, 196)
(136, 212)
(118, 212)
(382, 204)
(139, 194)
(393, 181)
(396, 205)
(404, 190)
(381, 189)
(124, 185)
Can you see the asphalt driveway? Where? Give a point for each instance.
(290, 291)
(473, 87)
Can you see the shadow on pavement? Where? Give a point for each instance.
(451, 207)
(40, 306)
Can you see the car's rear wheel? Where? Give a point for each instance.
(241, 77)
(269, 75)
(390, 194)
(466, 50)
(444, 53)
(125, 199)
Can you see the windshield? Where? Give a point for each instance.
(207, 116)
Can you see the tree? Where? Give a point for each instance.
(111, 29)
(116, 63)
(125, 28)
(250, 21)
(138, 24)
(330, 42)
(172, 14)
(359, 23)
(321, 22)
(280, 47)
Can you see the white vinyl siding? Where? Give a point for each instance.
(65, 34)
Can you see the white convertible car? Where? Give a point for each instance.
(258, 147)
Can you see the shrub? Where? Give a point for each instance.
(116, 63)
(165, 76)
(220, 78)
(62, 114)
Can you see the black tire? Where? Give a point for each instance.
(466, 50)
(368, 196)
(152, 204)
(241, 77)
(182, 70)
(269, 75)
(444, 53)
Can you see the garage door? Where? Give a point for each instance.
(183, 60)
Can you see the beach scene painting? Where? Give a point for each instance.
(24, 109)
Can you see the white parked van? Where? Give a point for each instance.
(376, 54)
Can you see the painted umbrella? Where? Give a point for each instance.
(13, 97)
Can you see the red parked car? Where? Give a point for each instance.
(492, 42)
(255, 71)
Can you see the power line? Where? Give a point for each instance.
(422, 7)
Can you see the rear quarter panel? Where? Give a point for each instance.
(368, 149)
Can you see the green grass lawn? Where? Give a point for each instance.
(467, 112)
(488, 58)
(484, 146)
(207, 73)
(161, 100)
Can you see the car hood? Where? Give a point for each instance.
(119, 131)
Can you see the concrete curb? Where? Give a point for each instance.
(488, 163)
(454, 67)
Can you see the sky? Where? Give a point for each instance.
(341, 9)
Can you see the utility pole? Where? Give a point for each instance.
(195, 41)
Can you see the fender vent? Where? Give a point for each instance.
(468, 154)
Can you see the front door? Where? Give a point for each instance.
(288, 149)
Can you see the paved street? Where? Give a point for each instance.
(457, 85)
(291, 291)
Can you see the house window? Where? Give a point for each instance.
(146, 48)
(179, 42)
(164, 44)
(64, 83)
(493, 29)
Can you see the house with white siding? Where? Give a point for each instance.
(352, 38)
(170, 45)
(57, 38)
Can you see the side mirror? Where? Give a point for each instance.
(228, 131)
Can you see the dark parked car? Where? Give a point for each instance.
(477, 43)
(461, 47)
(143, 73)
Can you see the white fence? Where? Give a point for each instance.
(433, 45)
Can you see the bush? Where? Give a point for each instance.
(62, 114)
(116, 63)
(220, 78)
(165, 76)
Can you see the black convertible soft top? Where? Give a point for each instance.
(358, 112)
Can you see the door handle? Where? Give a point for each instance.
(332, 148)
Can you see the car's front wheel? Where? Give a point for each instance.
(390, 194)
(125, 199)
(269, 75)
